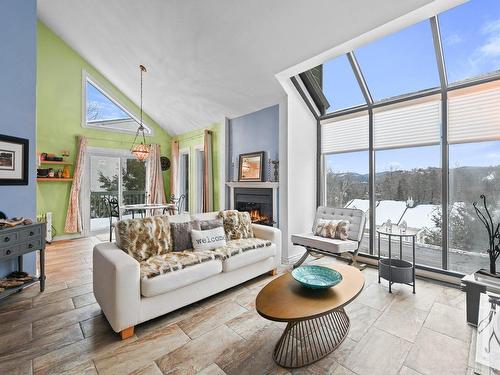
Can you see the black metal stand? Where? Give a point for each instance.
(396, 271)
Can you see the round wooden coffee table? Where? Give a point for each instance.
(317, 322)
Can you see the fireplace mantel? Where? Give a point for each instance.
(255, 185)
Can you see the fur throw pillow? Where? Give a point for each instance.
(144, 238)
(237, 225)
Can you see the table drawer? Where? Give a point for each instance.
(9, 251)
(32, 244)
(28, 234)
(7, 239)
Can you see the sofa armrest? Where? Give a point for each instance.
(272, 234)
(116, 284)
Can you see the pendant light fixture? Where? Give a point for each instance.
(140, 150)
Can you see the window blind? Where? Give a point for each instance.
(408, 125)
(346, 133)
(474, 117)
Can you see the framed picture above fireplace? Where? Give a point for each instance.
(251, 166)
(13, 160)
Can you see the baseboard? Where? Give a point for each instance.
(291, 259)
(65, 237)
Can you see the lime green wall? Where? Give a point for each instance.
(195, 138)
(59, 116)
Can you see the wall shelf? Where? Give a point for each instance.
(53, 179)
(48, 162)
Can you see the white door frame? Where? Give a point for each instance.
(85, 190)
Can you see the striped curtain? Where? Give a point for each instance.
(208, 179)
(174, 170)
(73, 222)
(156, 189)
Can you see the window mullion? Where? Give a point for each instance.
(438, 49)
(360, 78)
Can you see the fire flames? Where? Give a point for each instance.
(257, 217)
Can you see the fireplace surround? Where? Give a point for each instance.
(260, 199)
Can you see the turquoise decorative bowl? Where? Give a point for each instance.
(316, 277)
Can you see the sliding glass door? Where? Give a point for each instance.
(110, 174)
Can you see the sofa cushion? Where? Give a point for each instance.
(181, 234)
(248, 257)
(237, 225)
(169, 281)
(236, 247)
(174, 261)
(144, 238)
(332, 245)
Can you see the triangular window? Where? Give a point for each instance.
(104, 112)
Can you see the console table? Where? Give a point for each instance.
(20, 240)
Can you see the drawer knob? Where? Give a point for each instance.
(32, 233)
(8, 252)
(7, 239)
(30, 246)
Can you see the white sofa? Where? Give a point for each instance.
(127, 300)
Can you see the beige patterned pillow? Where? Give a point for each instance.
(326, 228)
(237, 225)
(144, 238)
(342, 231)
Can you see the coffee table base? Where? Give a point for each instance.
(306, 341)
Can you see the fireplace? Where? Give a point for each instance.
(258, 202)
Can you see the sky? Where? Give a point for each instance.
(405, 62)
(107, 109)
(482, 154)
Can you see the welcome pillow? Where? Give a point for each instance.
(208, 239)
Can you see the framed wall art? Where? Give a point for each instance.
(251, 166)
(13, 160)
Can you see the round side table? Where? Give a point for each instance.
(392, 269)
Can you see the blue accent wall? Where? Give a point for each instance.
(256, 131)
(17, 104)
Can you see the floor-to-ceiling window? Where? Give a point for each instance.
(346, 165)
(417, 114)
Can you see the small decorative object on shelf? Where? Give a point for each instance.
(269, 167)
(493, 236)
(276, 164)
(66, 173)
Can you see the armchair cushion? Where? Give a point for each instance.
(332, 245)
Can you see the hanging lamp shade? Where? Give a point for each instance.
(140, 150)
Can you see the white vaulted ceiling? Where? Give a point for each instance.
(208, 59)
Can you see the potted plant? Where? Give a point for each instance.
(493, 235)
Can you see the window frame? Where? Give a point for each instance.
(370, 106)
(111, 125)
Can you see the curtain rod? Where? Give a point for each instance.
(193, 136)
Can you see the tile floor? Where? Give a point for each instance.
(63, 331)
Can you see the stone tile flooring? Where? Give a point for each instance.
(63, 331)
